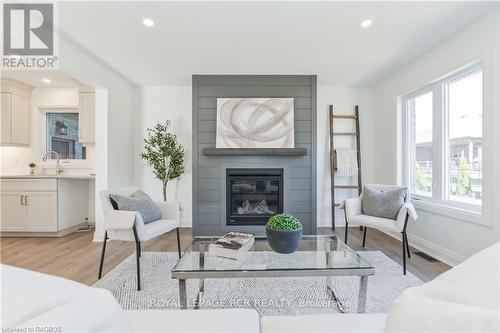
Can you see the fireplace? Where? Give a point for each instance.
(253, 195)
(292, 187)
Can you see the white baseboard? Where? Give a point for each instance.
(436, 251)
(186, 223)
(98, 236)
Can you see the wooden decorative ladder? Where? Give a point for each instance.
(333, 156)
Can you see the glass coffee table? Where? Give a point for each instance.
(317, 256)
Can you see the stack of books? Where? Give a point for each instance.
(232, 245)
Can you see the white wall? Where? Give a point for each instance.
(115, 104)
(449, 239)
(159, 104)
(15, 160)
(55, 97)
(343, 99)
(83, 66)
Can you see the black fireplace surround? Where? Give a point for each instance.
(253, 195)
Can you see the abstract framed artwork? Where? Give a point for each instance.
(255, 123)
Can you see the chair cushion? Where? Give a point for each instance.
(372, 221)
(385, 204)
(145, 231)
(140, 202)
(159, 227)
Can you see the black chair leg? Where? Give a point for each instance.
(364, 236)
(178, 243)
(102, 254)
(407, 246)
(138, 257)
(346, 227)
(403, 241)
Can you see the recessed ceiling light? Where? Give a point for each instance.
(46, 80)
(148, 22)
(366, 23)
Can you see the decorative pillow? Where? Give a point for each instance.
(385, 204)
(139, 201)
(114, 203)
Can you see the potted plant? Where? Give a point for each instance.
(32, 168)
(283, 232)
(164, 154)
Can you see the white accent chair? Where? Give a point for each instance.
(129, 226)
(354, 214)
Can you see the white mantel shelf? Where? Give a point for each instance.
(255, 151)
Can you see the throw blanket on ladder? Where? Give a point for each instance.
(347, 162)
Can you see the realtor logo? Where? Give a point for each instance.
(28, 29)
(28, 34)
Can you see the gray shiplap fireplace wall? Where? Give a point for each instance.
(209, 171)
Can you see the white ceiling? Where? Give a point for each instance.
(323, 38)
(34, 78)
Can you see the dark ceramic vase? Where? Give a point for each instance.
(284, 241)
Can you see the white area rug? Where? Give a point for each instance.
(269, 296)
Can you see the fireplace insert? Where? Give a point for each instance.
(253, 195)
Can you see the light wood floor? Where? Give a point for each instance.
(76, 257)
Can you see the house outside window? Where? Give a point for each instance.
(62, 135)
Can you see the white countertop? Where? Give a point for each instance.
(45, 176)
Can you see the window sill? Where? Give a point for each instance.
(450, 211)
(67, 164)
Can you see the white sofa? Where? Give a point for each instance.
(464, 299)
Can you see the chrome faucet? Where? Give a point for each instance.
(58, 166)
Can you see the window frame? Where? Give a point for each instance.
(440, 132)
(50, 163)
(408, 138)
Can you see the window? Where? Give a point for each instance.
(420, 111)
(464, 141)
(443, 139)
(62, 136)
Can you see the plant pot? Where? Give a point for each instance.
(32, 170)
(284, 241)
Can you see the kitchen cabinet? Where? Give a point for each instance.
(41, 211)
(13, 213)
(29, 211)
(5, 117)
(15, 113)
(86, 117)
(43, 205)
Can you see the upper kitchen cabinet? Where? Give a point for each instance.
(15, 113)
(87, 117)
